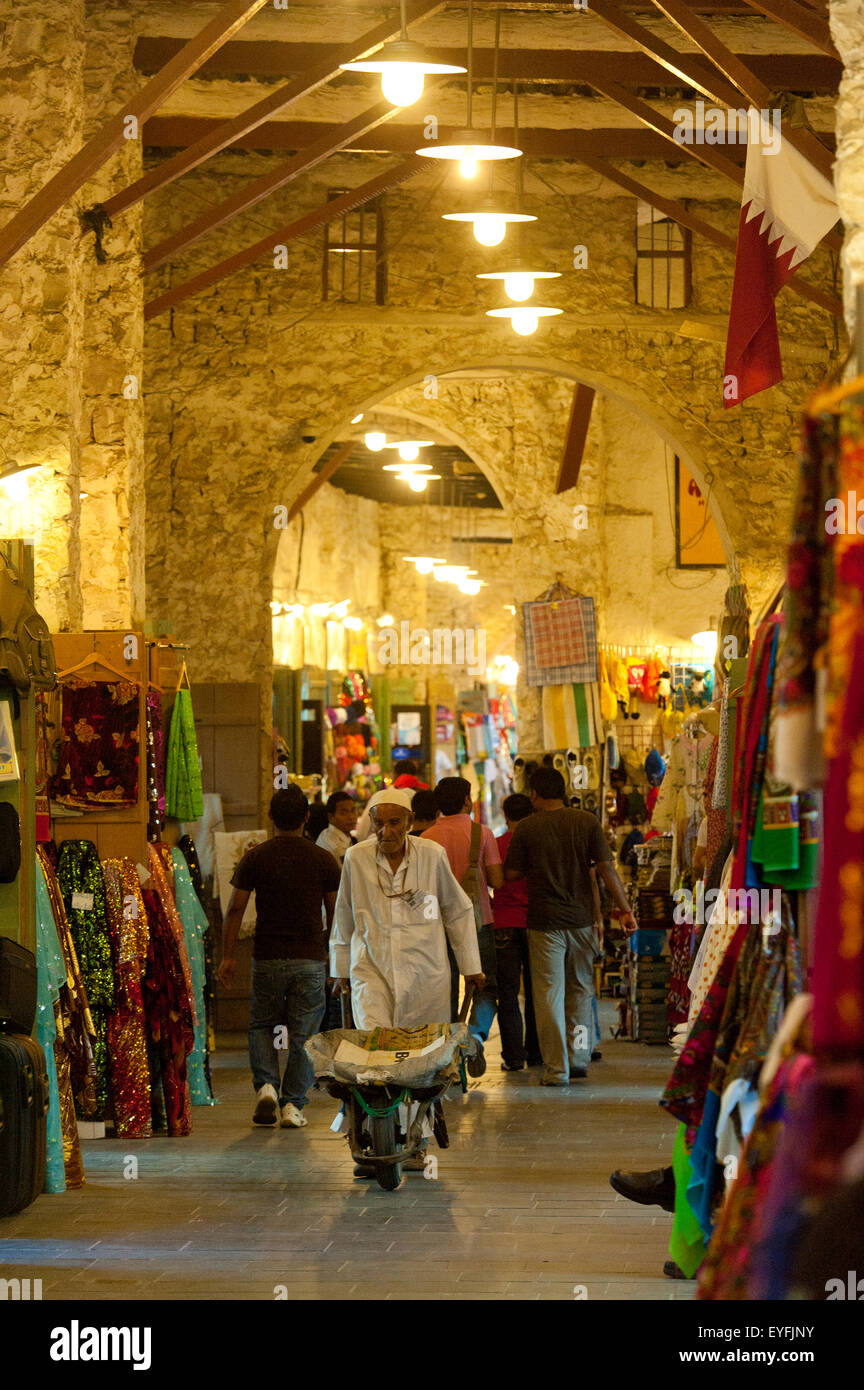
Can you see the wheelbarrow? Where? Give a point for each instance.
(389, 1115)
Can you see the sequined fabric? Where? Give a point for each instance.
(127, 1034)
(80, 873)
(76, 1031)
(170, 1016)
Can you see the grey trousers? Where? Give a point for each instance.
(562, 983)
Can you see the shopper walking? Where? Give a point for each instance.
(473, 855)
(424, 810)
(554, 849)
(341, 821)
(513, 970)
(291, 879)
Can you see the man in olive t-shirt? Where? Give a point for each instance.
(292, 880)
(555, 850)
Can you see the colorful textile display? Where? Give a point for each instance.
(79, 875)
(195, 925)
(73, 1046)
(183, 794)
(127, 1035)
(50, 976)
(571, 716)
(170, 1019)
(560, 641)
(97, 760)
(161, 865)
(187, 848)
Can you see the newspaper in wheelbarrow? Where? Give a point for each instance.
(410, 1057)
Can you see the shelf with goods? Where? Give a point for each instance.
(486, 744)
(351, 738)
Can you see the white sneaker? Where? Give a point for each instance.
(292, 1118)
(267, 1109)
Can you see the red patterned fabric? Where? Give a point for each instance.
(559, 633)
(97, 761)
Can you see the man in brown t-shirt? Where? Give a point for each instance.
(555, 850)
(291, 879)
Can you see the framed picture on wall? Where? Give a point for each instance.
(697, 541)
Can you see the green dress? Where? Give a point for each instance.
(184, 798)
(50, 976)
(195, 924)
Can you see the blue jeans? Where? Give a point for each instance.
(287, 993)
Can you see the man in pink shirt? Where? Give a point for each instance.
(454, 830)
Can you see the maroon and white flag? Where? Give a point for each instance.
(787, 207)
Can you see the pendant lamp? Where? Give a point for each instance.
(403, 67)
(524, 319)
(519, 279)
(469, 147)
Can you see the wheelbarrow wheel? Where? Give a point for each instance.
(383, 1127)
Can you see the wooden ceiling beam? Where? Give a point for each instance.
(694, 28)
(226, 133)
(110, 137)
(255, 192)
(309, 222)
(800, 20)
(684, 67)
(794, 71)
(342, 455)
(685, 218)
(397, 138)
(577, 434)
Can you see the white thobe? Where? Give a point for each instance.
(335, 841)
(395, 954)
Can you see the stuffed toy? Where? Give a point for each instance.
(653, 672)
(699, 688)
(664, 688)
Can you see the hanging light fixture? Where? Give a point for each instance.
(375, 440)
(409, 449)
(469, 147)
(403, 67)
(490, 219)
(403, 469)
(526, 319)
(470, 587)
(520, 279)
(424, 564)
(418, 482)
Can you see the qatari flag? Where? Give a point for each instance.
(786, 208)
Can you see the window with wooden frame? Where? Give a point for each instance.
(355, 265)
(662, 279)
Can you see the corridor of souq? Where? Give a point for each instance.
(431, 645)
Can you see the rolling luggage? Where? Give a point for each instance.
(24, 1095)
(17, 988)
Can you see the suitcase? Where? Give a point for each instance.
(24, 1094)
(17, 988)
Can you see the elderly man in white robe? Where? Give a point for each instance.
(397, 907)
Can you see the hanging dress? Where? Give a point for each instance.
(195, 925)
(184, 798)
(127, 1032)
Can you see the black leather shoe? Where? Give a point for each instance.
(506, 1066)
(578, 1073)
(654, 1189)
(475, 1065)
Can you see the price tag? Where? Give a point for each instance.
(82, 902)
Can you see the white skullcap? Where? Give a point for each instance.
(393, 796)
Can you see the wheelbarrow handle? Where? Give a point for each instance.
(470, 990)
(347, 1015)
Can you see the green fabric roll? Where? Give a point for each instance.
(50, 975)
(184, 797)
(687, 1243)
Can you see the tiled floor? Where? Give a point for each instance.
(521, 1207)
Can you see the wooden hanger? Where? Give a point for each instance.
(95, 659)
(184, 675)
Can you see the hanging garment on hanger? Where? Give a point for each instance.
(184, 797)
(97, 760)
(127, 1031)
(50, 977)
(608, 700)
(79, 875)
(807, 605)
(195, 926)
(170, 1019)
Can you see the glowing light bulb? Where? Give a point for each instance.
(524, 322)
(375, 440)
(489, 228)
(417, 482)
(402, 83)
(408, 453)
(519, 286)
(471, 587)
(424, 565)
(468, 165)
